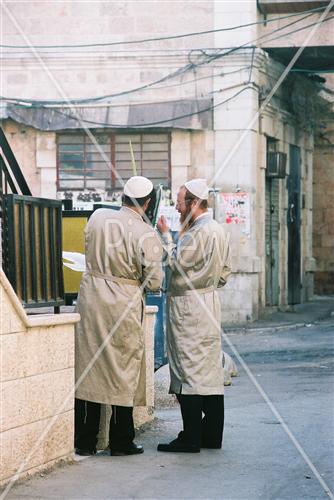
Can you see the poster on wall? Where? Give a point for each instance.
(234, 208)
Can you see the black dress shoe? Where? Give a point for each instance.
(178, 446)
(132, 449)
(84, 453)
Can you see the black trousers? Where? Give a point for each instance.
(199, 430)
(87, 423)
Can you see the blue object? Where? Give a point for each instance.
(160, 300)
(160, 356)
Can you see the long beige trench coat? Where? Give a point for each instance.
(123, 257)
(200, 261)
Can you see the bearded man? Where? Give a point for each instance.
(199, 265)
(123, 259)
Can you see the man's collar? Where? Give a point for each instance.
(131, 210)
(200, 216)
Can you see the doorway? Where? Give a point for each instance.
(272, 233)
(272, 241)
(294, 245)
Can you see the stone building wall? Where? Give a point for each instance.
(86, 72)
(37, 381)
(231, 156)
(323, 212)
(294, 35)
(281, 123)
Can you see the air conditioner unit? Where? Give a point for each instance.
(276, 165)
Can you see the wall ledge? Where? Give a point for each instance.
(151, 309)
(40, 319)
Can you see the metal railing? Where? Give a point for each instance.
(11, 177)
(31, 237)
(32, 249)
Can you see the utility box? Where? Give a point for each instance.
(276, 164)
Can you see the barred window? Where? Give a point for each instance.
(82, 164)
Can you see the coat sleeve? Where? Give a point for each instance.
(169, 249)
(151, 261)
(181, 256)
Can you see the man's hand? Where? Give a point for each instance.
(162, 224)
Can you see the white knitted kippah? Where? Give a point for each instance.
(138, 187)
(199, 188)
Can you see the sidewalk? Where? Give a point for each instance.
(258, 459)
(299, 315)
(305, 314)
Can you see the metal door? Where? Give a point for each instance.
(294, 246)
(272, 241)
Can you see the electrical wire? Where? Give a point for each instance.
(219, 54)
(299, 29)
(127, 104)
(178, 72)
(187, 82)
(170, 37)
(13, 100)
(251, 66)
(313, 70)
(149, 124)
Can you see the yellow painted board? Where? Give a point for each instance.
(73, 241)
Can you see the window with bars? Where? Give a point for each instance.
(82, 164)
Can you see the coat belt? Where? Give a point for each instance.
(117, 279)
(179, 293)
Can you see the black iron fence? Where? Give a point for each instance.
(31, 237)
(11, 177)
(32, 249)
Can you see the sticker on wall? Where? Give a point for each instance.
(234, 208)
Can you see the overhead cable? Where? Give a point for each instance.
(299, 29)
(159, 122)
(170, 37)
(33, 104)
(219, 54)
(180, 71)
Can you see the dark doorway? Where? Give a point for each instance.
(272, 242)
(294, 268)
(272, 234)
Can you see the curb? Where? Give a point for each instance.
(277, 328)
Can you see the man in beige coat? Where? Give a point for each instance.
(199, 265)
(123, 259)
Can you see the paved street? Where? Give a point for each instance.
(259, 461)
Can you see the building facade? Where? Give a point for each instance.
(219, 103)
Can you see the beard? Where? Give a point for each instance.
(186, 219)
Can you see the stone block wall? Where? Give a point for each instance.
(279, 124)
(295, 37)
(37, 381)
(323, 214)
(239, 298)
(90, 73)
